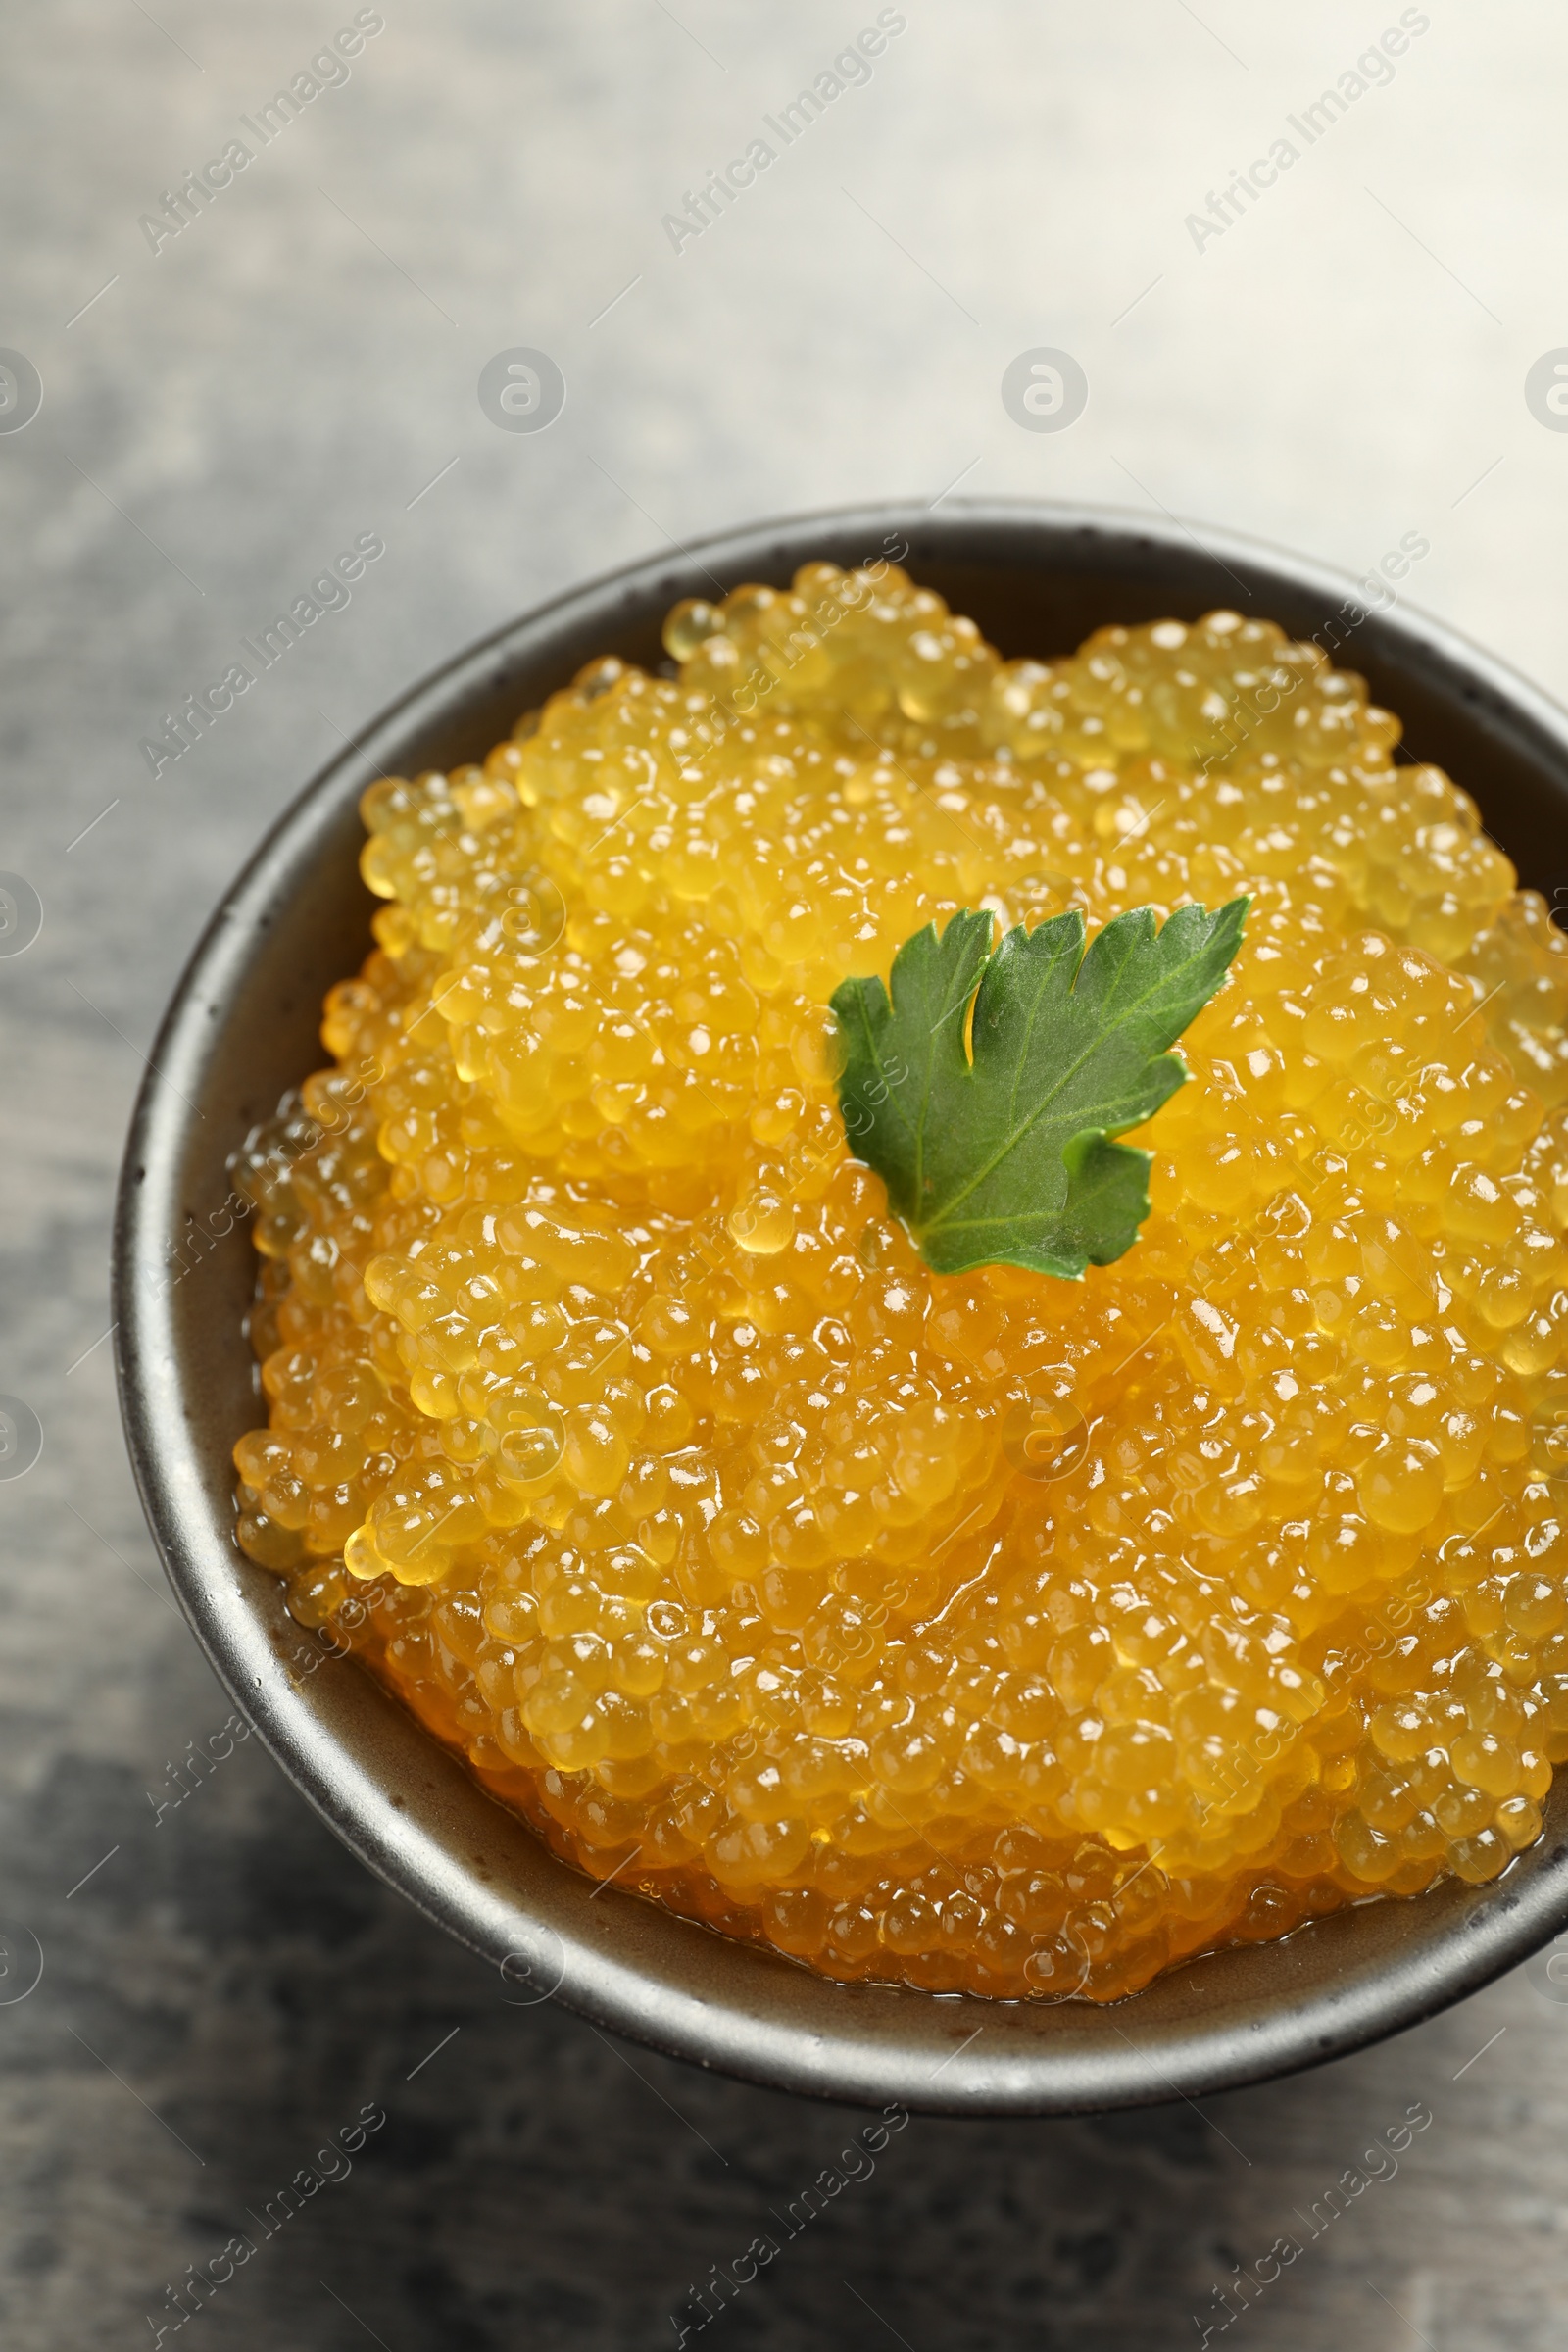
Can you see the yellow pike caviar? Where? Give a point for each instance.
(984, 1632)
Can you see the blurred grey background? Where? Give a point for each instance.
(225, 407)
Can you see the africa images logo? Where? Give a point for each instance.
(851, 70)
(1373, 69)
(179, 207)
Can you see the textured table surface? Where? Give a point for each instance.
(1344, 363)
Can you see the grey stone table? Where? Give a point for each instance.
(1333, 356)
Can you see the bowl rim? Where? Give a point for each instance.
(416, 1817)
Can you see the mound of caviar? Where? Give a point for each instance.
(985, 1630)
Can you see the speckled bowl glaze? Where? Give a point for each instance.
(242, 1027)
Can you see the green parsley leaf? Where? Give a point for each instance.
(1005, 1157)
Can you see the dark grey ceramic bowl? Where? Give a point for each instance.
(244, 1026)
